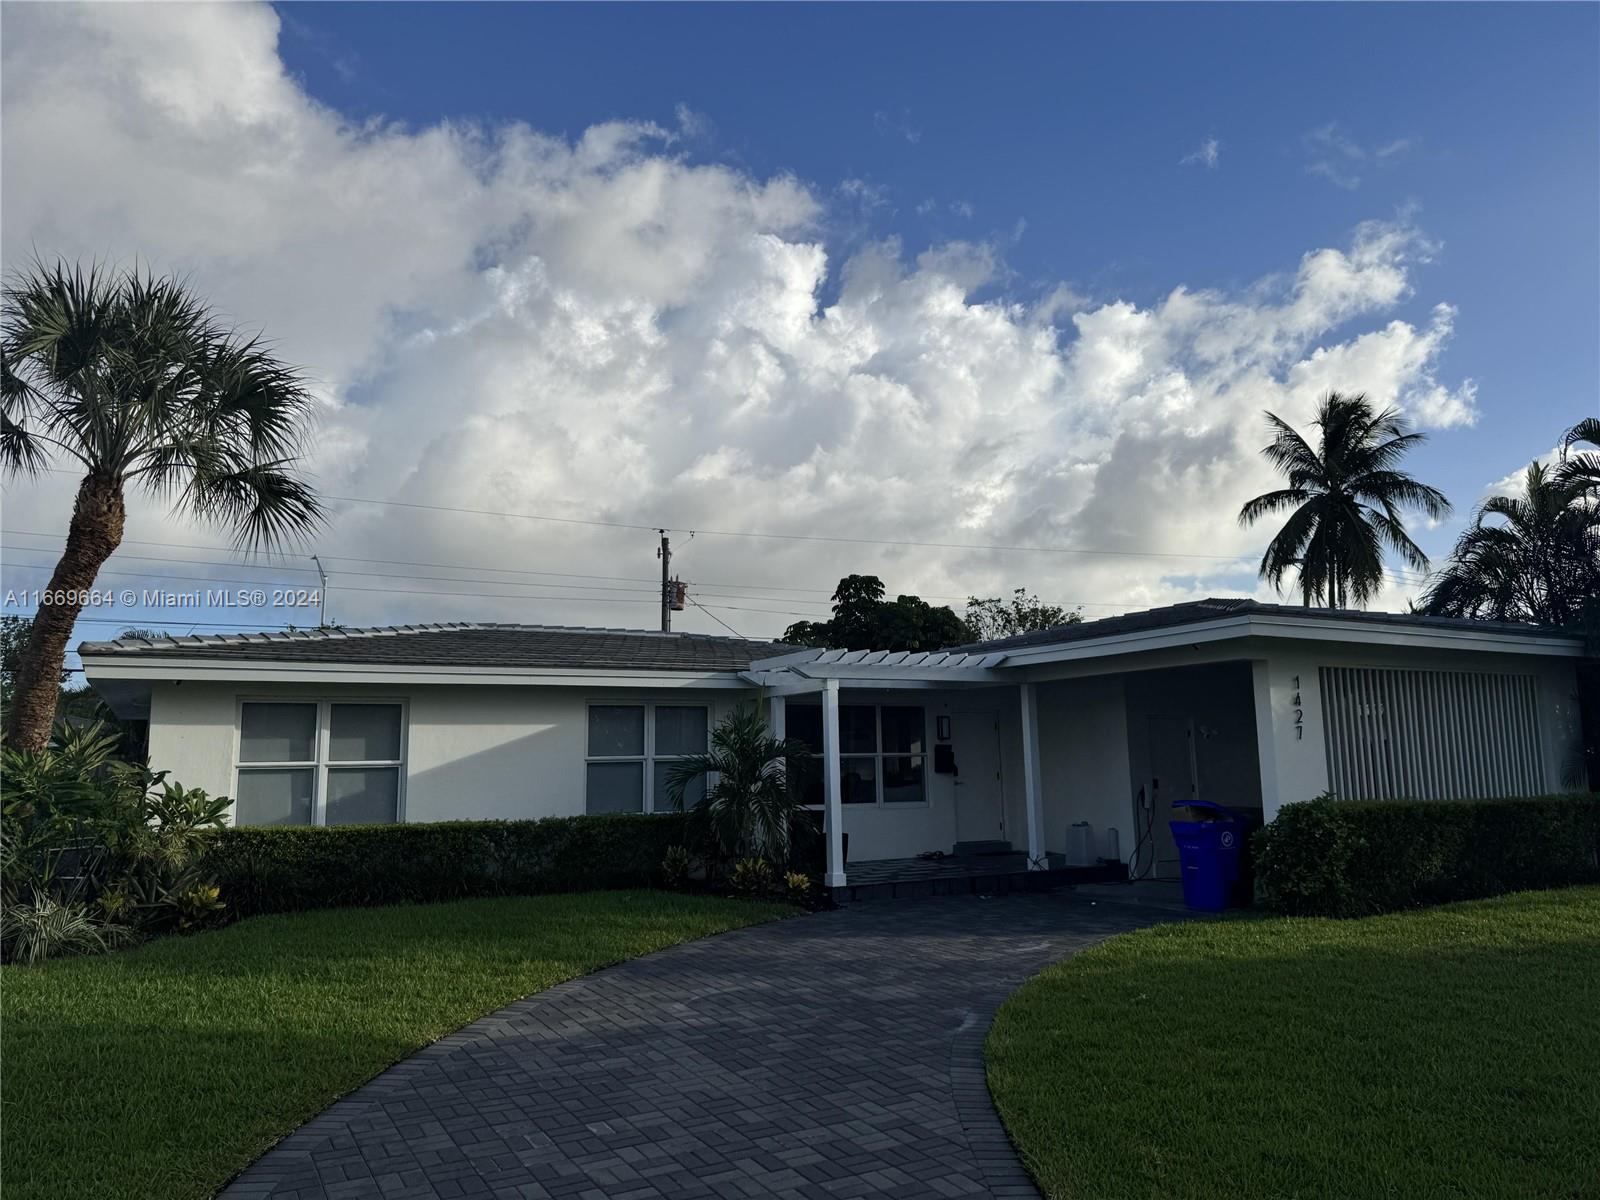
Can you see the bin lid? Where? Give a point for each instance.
(1206, 804)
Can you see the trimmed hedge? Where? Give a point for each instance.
(286, 869)
(1333, 858)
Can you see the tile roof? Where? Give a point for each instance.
(461, 645)
(1217, 608)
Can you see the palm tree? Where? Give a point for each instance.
(1538, 559)
(755, 789)
(134, 378)
(1582, 469)
(1344, 500)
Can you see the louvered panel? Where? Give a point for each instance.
(1430, 735)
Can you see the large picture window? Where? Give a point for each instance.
(882, 752)
(631, 751)
(319, 762)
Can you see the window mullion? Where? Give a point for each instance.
(319, 798)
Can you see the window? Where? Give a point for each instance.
(631, 750)
(882, 752)
(326, 762)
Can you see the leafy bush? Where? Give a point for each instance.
(752, 877)
(1348, 858)
(39, 928)
(797, 885)
(675, 866)
(86, 839)
(285, 869)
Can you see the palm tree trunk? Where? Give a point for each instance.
(96, 530)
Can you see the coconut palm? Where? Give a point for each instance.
(135, 381)
(754, 792)
(1582, 469)
(1534, 557)
(1344, 501)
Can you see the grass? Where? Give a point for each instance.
(159, 1072)
(1445, 1053)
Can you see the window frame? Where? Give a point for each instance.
(322, 737)
(878, 756)
(649, 757)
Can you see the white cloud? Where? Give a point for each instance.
(605, 328)
(1208, 155)
(1337, 157)
(896, 125)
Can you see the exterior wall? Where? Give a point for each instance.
(472, 753)
(1294, 764)
(1083, 762)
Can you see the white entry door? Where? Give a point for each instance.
(980, 804)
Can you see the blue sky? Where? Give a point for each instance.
(992, 275)
(1075, 119)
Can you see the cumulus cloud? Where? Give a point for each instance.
(1207, 155)
(606, 329)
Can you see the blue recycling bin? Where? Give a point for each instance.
(1209, 852)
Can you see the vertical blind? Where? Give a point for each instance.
(1430, 735)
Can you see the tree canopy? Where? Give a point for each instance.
(864, 620)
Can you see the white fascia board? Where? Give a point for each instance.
(117, 667)
(851, 673)
(1277, 625)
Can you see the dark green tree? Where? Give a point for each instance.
(864, 620)
(1343, 501)
(997, 618)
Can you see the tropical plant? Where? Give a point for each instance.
(752, 877)
(1344, 501)
(753, 799)
(996, 618)
(1582, 469)
(43, 927)
(81, 831)
(675, 865)
(135, 380)
(1533, 557)
(796, 885)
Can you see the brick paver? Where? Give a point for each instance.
(834, 1055)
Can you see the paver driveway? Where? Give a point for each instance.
(831, 1055)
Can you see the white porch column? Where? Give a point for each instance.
(832, 807)
(778, 717)
(1030, 777)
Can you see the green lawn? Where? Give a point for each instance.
(159, 1072)
(1452, 1052)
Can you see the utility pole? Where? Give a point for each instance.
(665, 554)
(322, 594)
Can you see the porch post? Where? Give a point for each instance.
(833, 808)
(1037, 860)
(778, 717)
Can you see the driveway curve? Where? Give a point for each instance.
(832, 1055)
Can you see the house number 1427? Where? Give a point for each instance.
(1299, 713)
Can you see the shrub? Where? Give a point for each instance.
(675, 866)
(752, 877)
(90, 844)
(285, 869)
(40, 928)
(797, 884)
(1353, 858)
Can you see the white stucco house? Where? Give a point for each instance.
(1069, 744)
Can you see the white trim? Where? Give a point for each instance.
(1032, 794)
(266, 671)
(833, 820)
(1278, 625)
(323, 732)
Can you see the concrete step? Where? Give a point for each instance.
(972, 849)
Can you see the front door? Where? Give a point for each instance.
(1171, 780)
(980, 806)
